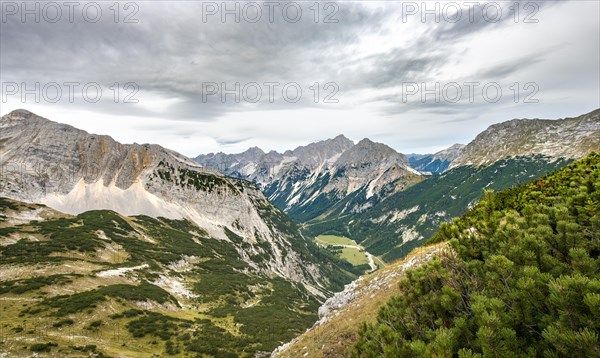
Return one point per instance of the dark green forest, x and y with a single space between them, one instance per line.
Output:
520 278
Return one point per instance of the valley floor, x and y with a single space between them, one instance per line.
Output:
350 251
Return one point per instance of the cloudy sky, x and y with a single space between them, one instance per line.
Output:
202 77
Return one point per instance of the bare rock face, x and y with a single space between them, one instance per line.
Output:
73 171
334 174
563 138
265 168
437 162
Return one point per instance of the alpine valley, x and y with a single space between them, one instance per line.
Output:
390 204
134 250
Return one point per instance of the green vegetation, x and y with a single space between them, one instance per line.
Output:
8 204
67 238
334 240
522 278
155 324
90 349
354 256
63 322
192 179
69 304
269 322
35 283
429 203
94 325
127 314
42 347
231 310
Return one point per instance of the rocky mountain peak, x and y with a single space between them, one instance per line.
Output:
254 150
561 138
366 143
253 153
367 151
19 114
314 154
23 116
454 147
342 141
341 137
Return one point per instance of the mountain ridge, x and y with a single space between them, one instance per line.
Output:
73 171
558 138
323 178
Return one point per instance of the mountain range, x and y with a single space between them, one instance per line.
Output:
323 179
73 171
422 190
112 219
110 249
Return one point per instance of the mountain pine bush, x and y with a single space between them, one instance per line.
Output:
521 278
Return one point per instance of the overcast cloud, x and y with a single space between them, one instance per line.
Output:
371 60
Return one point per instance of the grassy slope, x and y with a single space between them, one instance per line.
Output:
354 256
52 289
334 240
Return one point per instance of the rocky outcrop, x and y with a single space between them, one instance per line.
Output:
563 138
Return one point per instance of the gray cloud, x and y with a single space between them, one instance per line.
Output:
230 141
369 53
481 15
508 68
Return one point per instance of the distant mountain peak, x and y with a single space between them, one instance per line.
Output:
365 141
455 146
316 177
341 137
438 162
560 138
254 151
367 150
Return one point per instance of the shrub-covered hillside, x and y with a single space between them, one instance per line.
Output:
102 284
522 278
